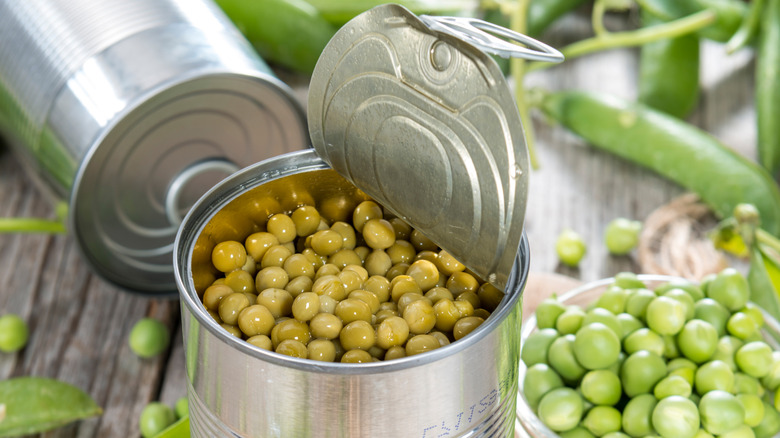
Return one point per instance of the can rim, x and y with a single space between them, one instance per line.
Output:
206 207
123 281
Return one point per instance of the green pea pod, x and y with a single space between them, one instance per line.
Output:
290 33
764 281
37 404
768 88
669 73
179 429
671 147
729 14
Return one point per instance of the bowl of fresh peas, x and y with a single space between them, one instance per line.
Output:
649 355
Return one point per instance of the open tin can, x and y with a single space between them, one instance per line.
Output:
410 112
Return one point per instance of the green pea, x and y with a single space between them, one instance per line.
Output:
672 385
644 339
682 367
155 417
628 324
149 337
720 412
548 311
770 423
691 289
742 326
601 387
561 409
637 302
753 407
713 375
697 340
613 299
713 312
577 432
726 349
665 316
561 358
638 414
729 288
570 320
601 420
684 298
181 408
676 417
536 346
539 380
622 235
13 333
743 431
570 247
772 380
753 311
615 435
754 358
744 384
628 280
596 346
604 316
671 351
641 371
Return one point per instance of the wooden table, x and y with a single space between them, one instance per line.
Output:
79 324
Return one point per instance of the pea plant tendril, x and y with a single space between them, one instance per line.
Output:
603 39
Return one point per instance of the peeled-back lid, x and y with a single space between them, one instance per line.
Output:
424 122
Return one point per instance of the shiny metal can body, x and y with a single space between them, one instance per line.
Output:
465 389
131 110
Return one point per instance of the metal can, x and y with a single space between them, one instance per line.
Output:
467 388
404 111
131 110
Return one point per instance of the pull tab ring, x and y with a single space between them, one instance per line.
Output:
482 34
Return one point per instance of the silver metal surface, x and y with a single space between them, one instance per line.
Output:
132 110
482 34
426 124
465 389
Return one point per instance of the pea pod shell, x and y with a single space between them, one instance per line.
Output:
669 73
290 33
768 88
37 404
671 147
764 281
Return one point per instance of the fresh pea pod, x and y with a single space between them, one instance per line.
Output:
669 73
729 14
764 280
768 88
37 404
179 429
671 147
290 33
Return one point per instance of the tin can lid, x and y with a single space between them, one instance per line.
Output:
413 112
161 156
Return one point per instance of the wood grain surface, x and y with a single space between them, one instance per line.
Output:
79 323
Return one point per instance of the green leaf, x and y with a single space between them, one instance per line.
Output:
764 280
179 429
35 404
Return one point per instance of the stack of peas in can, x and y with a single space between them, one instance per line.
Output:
375 289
